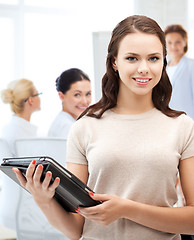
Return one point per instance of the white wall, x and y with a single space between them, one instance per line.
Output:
165 12
42 38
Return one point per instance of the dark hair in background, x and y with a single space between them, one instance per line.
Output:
68 77
110 82
176 28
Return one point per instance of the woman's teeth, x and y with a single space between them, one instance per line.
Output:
141 80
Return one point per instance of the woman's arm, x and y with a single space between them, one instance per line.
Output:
70 224
166 219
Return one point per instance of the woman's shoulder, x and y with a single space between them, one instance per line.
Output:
188 60
88 122
185 117
18 128
185 122
182 121
84 121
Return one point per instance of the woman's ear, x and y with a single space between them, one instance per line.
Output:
30 101
114 65
61 96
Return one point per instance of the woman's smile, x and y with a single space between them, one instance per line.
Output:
142 81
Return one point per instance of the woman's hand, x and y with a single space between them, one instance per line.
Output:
41 191
111 209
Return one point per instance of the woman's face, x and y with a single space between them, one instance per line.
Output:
77 98
139 63
36 100
175 45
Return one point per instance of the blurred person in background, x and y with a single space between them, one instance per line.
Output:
18 210
74 90
23 98
180 69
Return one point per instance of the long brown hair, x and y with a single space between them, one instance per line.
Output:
110 82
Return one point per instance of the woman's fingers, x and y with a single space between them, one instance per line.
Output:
47 179
37 175
33 178
20 177
55 184
46 182
30 171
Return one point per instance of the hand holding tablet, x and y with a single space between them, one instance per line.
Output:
71 192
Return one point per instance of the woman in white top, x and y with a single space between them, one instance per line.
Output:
180 69
24 100
181 73
74 90
128 147
20 212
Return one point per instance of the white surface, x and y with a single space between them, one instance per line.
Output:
6 233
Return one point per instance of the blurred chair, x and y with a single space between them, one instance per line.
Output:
9 196
7 234
52 147
32 223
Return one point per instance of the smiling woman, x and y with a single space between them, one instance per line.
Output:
180 69
139 68
74 90
128 147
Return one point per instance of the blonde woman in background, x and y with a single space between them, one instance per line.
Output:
24 100
27 220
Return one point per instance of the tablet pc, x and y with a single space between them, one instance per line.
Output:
71 192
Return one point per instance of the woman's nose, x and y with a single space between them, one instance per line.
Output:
143 68
84 101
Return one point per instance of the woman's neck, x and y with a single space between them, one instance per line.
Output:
64 109
174 61
25 115
135 106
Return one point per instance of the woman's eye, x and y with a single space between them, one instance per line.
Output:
88 94
154 59
132 59
77 95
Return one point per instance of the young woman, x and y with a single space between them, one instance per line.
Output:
74 91
180 69
128 148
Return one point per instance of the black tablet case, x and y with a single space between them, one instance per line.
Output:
71 192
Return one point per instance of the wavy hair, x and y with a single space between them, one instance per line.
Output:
161 93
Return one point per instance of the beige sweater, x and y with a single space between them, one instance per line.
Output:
134 157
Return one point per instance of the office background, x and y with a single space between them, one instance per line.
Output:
41 38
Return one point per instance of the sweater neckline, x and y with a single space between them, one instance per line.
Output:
133 117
